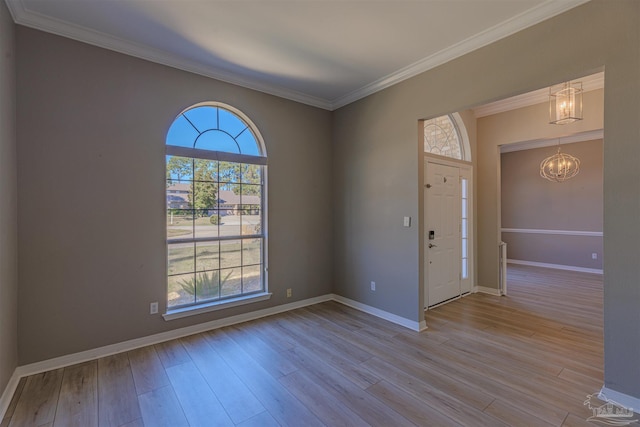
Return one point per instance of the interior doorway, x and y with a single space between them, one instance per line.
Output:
551 224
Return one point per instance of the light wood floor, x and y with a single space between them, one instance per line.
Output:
529 359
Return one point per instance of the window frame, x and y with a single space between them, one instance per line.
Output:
222 156
460 131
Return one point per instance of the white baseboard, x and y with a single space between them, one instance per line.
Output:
394 318
485 290
96 353
556 266
625 400
8 393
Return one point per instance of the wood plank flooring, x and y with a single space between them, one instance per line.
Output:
528 359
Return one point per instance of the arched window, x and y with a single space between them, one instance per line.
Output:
442 137
215 188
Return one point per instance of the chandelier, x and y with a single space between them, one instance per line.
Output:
559 167
565 103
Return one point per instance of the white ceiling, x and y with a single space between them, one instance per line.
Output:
325 53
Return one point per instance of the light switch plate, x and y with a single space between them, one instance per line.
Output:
407 221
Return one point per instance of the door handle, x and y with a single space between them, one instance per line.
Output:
431 245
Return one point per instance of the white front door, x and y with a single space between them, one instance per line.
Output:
442 240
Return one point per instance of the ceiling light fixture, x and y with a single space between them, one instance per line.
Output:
559 167
565 103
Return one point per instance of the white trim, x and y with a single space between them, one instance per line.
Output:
625 400
470 280
7 394
180 313
223 156
84 356
502 286
447 161
556 266
539 143
486 290
544 11
462 132
554 232
548 9
394 318
250 124
589 83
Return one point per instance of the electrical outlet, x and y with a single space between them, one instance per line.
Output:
594 255
153 308
288 292
373 286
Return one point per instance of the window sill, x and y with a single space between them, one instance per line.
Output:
215 305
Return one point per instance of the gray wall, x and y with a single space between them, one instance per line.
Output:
531 202
8 203
377 174
91 138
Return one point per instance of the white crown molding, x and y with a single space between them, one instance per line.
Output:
544 11
538 143
513 103
23 16
589 83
